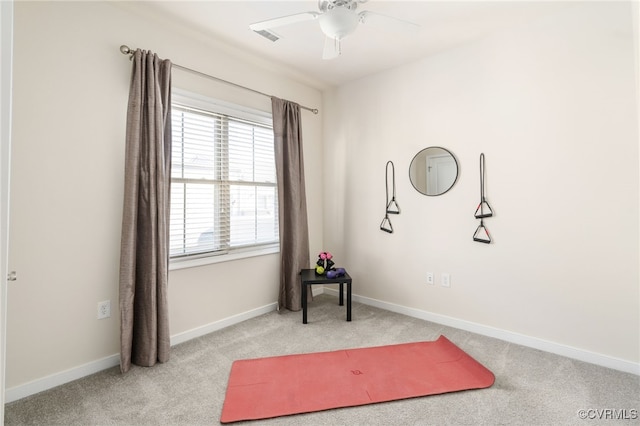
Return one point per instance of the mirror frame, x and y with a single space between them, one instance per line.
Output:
455 160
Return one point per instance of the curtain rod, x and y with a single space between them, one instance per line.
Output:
125 50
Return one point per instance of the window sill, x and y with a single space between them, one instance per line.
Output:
175 264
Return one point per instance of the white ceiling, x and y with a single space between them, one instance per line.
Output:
444 24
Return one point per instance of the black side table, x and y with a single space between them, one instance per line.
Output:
309 277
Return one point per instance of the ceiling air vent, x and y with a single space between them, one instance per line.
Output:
268 35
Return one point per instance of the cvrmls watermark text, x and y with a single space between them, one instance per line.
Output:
608 414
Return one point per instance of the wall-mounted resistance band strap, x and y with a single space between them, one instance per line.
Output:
386 225
482 234
484 209
390 206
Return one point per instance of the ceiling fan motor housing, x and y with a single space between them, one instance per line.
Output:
325 5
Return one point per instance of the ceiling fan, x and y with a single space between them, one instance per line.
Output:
338 19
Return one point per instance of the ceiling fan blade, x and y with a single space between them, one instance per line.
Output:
331 48
284 20
387 22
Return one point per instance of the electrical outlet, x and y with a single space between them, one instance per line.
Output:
445 280
104 309
430 278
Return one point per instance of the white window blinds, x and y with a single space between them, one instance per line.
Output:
223 183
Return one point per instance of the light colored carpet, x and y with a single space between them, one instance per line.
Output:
532 387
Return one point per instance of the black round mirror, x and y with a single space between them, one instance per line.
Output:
433 171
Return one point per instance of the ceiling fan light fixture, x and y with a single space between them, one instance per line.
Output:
337 18
338 22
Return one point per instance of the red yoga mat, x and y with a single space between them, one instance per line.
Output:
276 386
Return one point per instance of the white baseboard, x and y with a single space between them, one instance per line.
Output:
223 323
57 379
508 336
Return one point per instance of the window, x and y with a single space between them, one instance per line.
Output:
223 180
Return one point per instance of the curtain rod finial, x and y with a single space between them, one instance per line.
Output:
124 49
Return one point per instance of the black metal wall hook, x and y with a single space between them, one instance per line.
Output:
484 209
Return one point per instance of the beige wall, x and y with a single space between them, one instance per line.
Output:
71 88
553 106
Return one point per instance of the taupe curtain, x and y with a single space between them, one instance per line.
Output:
292 204
144 259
